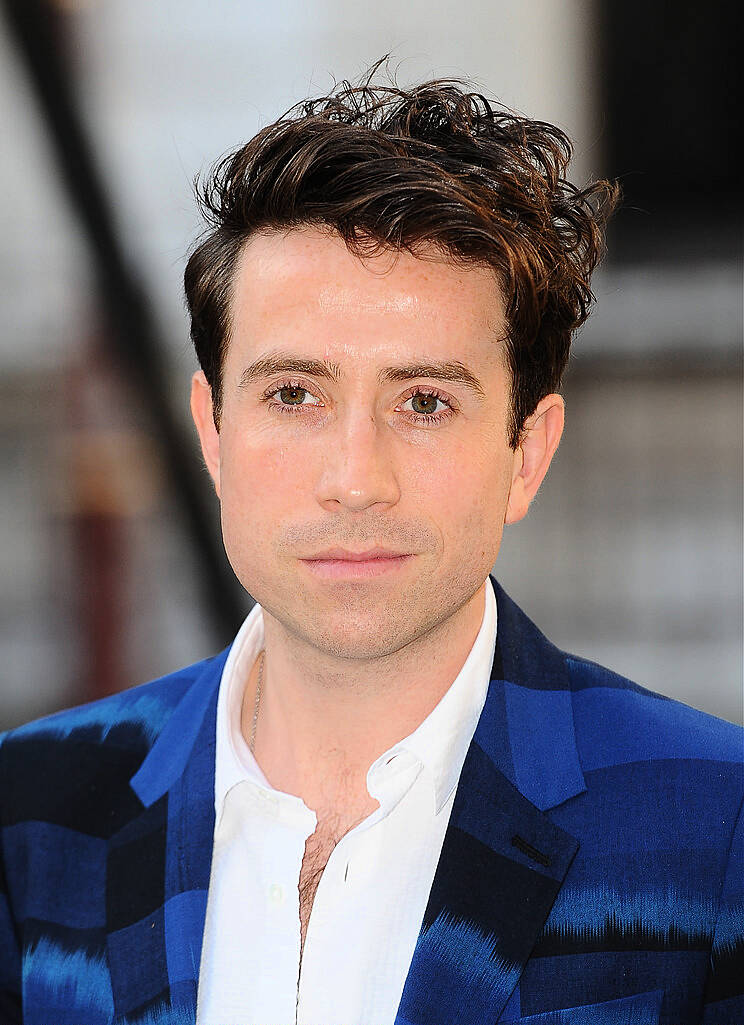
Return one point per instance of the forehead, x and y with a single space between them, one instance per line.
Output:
305 286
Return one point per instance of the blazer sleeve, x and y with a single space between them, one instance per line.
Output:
10 955
723 1003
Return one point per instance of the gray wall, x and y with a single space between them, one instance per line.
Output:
632 553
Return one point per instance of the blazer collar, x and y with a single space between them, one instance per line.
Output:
168 756
503 860
527 725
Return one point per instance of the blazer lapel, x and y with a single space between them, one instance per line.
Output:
503 860
159 863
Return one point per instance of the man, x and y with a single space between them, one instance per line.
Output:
392 799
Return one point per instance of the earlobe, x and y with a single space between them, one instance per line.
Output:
540 438
202 412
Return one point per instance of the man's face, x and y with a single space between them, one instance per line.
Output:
379 452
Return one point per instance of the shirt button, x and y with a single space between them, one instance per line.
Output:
276 893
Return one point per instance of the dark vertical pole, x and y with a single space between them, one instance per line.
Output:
131 328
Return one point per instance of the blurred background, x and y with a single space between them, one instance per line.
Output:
110 559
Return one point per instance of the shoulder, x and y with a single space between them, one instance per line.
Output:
141 710
615 720
667 770
616 717
74 766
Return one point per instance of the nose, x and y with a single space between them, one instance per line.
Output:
356 466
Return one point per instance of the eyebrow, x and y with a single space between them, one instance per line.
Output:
440 370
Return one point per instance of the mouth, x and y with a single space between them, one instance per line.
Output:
345 555
339 563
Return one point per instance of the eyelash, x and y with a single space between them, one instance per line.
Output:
423 419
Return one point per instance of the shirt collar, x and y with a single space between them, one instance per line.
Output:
440 743
234 762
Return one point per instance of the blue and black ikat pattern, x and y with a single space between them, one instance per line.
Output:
592 872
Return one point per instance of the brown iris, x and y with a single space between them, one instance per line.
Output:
427 401
295 396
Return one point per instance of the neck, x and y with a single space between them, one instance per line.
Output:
324 720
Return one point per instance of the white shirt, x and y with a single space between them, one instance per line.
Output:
372 895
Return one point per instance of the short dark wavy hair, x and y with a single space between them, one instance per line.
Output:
435 166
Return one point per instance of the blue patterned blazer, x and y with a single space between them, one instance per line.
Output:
592 871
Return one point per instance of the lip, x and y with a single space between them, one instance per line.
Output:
343 555
338 563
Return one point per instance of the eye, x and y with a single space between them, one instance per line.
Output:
290 395
425 406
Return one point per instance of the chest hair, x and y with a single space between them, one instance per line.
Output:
318 848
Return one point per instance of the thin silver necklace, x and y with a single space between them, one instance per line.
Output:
257 702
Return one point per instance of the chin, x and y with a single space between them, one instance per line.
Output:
361 636
356 628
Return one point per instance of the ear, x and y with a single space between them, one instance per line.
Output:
202 411
540 437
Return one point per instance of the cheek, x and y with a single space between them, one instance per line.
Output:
465 493
260 467
469 475
261 484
